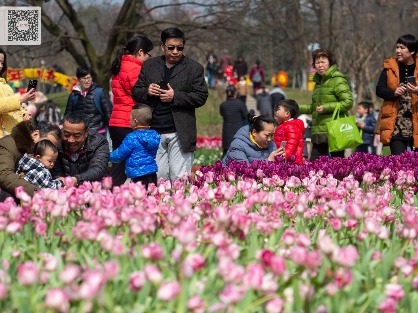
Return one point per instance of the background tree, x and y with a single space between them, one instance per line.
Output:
361 34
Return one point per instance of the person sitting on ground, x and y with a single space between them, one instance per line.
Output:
139 148
35 168
12 147
289 130
84 153
254 141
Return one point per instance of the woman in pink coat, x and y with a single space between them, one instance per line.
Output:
125 71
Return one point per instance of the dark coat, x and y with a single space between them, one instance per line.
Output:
264 104
190 92
234 113
91 164
12 148
367 133
78 103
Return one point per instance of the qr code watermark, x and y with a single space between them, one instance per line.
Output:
20 26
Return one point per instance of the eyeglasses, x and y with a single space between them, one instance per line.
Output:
171 48
86 78
149 54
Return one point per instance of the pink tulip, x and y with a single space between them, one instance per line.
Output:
274 305
388 305
343 277
153 273
152 251
394 291
107 182
57 299
196 304
93 281
254 276
313 259
27 273
22 195
346 257
168 291
13 227
40 228
49 262
298 255
136 281
111 269
277 265
231 294
3 291
265 256
192 263
70 273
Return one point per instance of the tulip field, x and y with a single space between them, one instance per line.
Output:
334 235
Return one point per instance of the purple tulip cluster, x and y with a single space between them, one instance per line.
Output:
358 165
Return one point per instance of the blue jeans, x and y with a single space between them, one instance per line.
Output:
211 79
171 160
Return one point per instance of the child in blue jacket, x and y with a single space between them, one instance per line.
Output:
139 148
366 122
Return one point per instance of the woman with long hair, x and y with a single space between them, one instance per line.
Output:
125 71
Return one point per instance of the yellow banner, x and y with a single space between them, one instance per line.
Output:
44 75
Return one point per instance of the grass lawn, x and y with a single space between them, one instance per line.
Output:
209 121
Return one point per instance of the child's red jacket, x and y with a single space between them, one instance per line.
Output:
291 131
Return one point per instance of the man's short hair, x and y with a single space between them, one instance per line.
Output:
172 32
76 118
142 113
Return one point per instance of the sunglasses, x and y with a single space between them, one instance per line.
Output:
171 48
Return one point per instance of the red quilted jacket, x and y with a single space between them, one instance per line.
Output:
121 88
292 131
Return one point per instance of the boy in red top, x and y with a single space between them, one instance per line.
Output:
290 129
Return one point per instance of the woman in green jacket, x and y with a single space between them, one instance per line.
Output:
331 90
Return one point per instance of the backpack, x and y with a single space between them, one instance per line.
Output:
49 112
257 77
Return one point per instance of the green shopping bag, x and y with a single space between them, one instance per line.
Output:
343 132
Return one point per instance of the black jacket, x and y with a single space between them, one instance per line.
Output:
91 164
190 92
77 103
234 113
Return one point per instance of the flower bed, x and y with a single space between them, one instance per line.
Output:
339 237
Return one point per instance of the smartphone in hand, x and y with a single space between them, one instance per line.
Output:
32 84
283 144
411 80
163 85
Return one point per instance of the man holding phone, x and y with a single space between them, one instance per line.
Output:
174 86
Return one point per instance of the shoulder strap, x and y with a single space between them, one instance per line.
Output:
97 92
